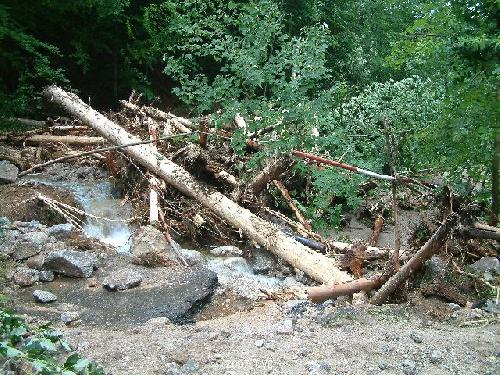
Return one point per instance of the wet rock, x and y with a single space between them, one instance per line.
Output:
25 276
285 327
122 279
46 276
189 291
60 231
192 257
454 306
8 172
318 368
226 251
262 261
70 263
148 239
70 317
487 266
43 296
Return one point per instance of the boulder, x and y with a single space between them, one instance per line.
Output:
262 261
70 263
43 296
122 279
226 251
60 231
486 266
148 239
434 269
192 257
25 276
28 245
8 172
70 317
46 276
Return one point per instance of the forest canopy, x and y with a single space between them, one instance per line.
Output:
325 74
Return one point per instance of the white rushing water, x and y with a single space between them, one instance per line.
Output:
97 199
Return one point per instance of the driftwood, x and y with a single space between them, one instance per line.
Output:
269 173
66 139
291 204
319 159
377 229
95 151
482 231
182 124
317 266
437 240
322 293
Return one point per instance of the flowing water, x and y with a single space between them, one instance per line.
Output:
98 199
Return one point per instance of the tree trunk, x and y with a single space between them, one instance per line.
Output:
269 173
66 139
319 294
315 265
437 240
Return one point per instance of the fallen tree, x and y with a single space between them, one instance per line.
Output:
46 138
317 266
416 262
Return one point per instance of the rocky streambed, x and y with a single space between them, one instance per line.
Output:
123 295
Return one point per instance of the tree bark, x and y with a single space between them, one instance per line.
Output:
66 139
431 247
322 293
284 192
269 173
317 266
483 231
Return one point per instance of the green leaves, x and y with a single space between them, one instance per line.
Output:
39 348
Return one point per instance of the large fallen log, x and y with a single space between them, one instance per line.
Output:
45 138
317 266
478 230
416 262
319 294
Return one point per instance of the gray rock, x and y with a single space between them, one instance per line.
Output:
409 367
23 276
487 266
43 296
122 279
173 368
28 245
284 327
383 366
192 257
416 337
226 251
190 367
436 356
318 368
70 263
8 172
259 343
46 276
148 239
69 317
262 261
491 307
454 306
60 231
36 262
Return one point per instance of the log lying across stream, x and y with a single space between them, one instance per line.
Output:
317 266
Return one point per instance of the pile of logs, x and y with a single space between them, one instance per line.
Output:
304 250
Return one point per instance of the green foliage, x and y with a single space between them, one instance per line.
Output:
37 349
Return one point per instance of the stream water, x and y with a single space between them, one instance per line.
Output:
97 198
